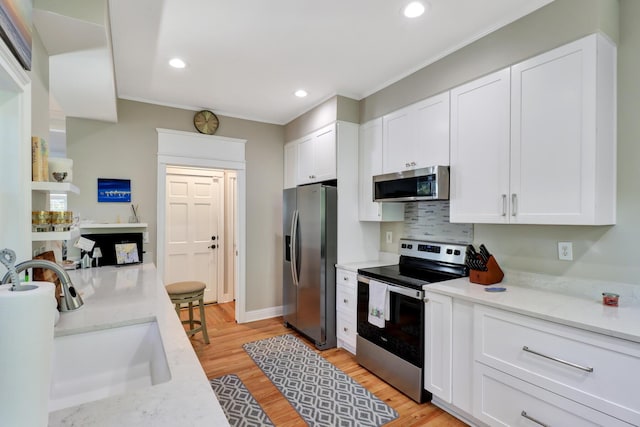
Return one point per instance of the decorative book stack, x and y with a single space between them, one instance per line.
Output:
39 159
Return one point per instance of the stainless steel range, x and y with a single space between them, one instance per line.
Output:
390 340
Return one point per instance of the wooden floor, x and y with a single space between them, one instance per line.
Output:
224 355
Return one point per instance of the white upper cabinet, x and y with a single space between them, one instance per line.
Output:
317 156
563 139
417 136
556 164
370 164
290 164
479 174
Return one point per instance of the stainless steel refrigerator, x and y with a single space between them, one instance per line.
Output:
309 276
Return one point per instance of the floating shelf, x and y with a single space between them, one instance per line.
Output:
60 187
113 225
43 236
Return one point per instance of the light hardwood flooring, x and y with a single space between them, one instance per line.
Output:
224 355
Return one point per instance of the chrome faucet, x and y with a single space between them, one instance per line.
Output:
71 299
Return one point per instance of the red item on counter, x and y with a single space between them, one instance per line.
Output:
610 299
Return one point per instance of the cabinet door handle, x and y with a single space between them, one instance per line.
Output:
346 301
406 165
573 365
504 205
345 278
413 163
530 418
514 204
345 329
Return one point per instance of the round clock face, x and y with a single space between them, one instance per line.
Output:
206 122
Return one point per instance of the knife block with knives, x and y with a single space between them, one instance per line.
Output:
483 267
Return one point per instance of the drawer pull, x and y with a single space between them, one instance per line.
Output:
524 414
345 278
346 329
573 365
346 301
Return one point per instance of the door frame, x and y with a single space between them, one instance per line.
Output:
188 149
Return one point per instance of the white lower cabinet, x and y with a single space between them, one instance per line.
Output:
492 366
438 345
346 309
504 400
596 370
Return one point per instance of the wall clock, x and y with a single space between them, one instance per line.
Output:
206 122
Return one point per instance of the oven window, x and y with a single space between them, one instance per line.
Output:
403 332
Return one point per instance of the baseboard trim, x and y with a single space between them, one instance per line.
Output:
265 313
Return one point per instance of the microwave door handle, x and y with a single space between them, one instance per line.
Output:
294 251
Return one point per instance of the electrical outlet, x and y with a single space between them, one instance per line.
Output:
145 237
565 251
389 237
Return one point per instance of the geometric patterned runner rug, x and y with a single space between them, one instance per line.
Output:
322 394
238 404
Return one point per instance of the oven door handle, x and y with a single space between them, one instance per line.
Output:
408 292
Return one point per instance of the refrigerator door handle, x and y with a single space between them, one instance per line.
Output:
293 249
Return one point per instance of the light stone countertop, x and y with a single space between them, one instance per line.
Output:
384 259
569 301
118 296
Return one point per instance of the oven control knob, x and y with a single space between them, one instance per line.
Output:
449 251
409 246
456 252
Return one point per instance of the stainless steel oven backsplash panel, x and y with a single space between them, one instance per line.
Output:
429 220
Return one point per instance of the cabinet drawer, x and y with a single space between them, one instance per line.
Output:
596 370
346 328
348 278
503 400
346 300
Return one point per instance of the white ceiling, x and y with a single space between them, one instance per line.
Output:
245 58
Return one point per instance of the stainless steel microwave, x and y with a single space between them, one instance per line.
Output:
431 183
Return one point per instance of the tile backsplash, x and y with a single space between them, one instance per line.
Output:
430 221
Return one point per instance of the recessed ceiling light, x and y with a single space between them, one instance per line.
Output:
414 9
300 93
177 63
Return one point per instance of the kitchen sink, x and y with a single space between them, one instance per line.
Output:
95 365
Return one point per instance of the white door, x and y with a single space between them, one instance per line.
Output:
552 113
324 154
480 144
305 160
396 143
194 228
431 124
226 289
438 321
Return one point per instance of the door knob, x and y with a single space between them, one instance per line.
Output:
214 237
213 246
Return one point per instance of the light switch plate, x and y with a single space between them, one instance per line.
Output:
389 237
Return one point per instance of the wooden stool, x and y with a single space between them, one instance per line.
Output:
189 292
